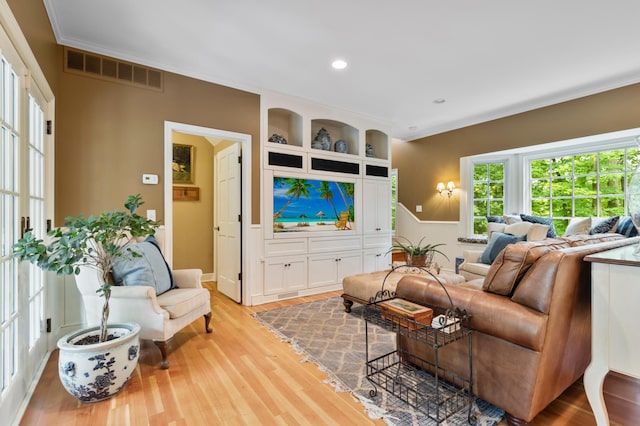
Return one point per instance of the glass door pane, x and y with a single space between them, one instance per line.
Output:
10 221
37 222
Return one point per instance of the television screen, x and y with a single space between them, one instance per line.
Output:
310 205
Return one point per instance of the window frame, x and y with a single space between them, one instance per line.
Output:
467 164
394 201
518 171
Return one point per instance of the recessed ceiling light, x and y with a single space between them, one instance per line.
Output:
439 101
339 64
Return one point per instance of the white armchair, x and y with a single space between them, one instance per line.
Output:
160 317
471 268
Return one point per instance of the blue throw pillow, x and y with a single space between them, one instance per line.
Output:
603 226
626 227
496 219
149 268
497 243
551 233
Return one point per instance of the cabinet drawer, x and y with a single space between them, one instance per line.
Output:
285 247
383 240
334 244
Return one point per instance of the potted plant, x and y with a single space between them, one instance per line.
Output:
416 254
94 363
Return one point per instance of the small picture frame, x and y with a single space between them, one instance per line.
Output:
183 164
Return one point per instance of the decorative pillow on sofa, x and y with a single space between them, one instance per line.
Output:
626 227
551 233
514 261
578 226
496 219
512 218
601 225
149 268
534 231
497 243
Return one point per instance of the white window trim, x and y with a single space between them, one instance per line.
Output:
466 187
394 172
517 169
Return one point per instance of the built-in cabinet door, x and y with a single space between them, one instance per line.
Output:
376 211
376 260
284 274
329 269
323 270
349 264
297 274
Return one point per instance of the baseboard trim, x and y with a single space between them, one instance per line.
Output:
208 277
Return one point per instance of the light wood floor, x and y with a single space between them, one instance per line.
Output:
243 374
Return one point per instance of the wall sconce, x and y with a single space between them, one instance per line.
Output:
449 189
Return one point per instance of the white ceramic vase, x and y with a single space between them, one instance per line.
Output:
98 371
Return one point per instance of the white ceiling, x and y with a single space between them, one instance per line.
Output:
487 59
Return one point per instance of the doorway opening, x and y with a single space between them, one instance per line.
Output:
234 261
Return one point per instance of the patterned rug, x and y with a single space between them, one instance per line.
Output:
335 341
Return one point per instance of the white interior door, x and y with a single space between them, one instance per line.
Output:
228 184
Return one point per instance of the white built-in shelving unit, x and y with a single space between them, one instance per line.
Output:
303 262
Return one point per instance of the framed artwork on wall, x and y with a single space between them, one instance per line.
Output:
183 164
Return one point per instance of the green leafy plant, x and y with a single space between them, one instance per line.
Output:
410 249
95 241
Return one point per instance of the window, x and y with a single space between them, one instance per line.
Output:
394 198
582 185
488 194
575 178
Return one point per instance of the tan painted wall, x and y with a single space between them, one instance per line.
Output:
424 162
34 22
193 220
108 134
113 133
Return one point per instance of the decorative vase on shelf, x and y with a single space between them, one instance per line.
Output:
322 140
276 138
341 146
369 150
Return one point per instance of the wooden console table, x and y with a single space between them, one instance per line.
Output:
615 341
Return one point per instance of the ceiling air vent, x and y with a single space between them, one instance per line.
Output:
90 64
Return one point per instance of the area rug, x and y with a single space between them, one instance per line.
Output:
335 341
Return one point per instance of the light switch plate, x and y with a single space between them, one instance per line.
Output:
148 179
151 214
419 209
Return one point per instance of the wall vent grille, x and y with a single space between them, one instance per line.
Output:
90 64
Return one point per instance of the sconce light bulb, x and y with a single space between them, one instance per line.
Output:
440 187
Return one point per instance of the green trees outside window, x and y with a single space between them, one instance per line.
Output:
394 198
589 184
488 194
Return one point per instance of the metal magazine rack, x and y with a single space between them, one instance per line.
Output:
421 383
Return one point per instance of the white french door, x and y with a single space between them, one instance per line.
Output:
26 192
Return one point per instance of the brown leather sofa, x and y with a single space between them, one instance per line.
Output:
531 322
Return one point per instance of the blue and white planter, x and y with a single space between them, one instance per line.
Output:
98 371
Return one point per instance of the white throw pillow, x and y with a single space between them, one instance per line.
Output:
512 218
537 232
578 225
534 231
494 227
